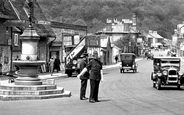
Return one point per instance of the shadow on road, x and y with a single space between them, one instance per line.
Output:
173 88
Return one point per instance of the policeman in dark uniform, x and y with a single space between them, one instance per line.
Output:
96 75
84 78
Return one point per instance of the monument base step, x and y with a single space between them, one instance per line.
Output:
10 91
33 97
31 92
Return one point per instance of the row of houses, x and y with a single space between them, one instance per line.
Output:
58 38
178 40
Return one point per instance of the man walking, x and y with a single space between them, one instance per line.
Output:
84 78
57 64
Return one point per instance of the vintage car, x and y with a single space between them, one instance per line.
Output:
173 54
127 62
166 72
150 56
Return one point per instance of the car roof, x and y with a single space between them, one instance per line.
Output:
168 58
127 54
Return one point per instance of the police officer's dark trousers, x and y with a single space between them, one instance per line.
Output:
83 88
94 89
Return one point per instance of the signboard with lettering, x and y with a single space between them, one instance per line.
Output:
93 41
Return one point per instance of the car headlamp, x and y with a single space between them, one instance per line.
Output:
180 73
164 72
74 61
159 74
73 67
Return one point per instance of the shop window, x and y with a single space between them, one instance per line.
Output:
67 40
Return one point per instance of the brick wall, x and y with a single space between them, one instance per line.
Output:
4 49
5 58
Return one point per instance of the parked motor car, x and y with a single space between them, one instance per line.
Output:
150 56
128 62
173 54
166 72
156 49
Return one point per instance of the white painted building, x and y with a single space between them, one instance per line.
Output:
154 39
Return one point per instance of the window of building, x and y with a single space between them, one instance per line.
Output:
67 40
16 39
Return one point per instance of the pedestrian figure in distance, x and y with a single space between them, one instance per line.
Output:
96 75
116 58
84 78
51 65
57 64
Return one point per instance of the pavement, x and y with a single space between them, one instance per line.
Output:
62 74
47 75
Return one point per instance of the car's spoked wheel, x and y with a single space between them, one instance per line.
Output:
154 84
158 84
135 70
178 86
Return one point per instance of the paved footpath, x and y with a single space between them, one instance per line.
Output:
55 75
62 74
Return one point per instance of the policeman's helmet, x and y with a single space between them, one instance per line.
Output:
95 54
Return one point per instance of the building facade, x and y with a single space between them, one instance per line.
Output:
13 27
154 39
67 37
115 30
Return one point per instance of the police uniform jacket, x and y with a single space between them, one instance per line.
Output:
95 66
83 64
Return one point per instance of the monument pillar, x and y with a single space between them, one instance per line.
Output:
28 65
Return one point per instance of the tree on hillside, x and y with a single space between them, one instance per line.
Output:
158 15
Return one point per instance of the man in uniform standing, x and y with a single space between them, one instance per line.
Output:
96 75
84 78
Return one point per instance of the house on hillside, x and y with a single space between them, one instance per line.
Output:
117 29
14 16
154 39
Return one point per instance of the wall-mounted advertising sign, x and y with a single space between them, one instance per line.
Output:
93 41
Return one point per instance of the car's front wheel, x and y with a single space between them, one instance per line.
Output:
154 84
136 70
178 86
120 70
69 74
158 84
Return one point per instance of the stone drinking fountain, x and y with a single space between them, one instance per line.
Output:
27 85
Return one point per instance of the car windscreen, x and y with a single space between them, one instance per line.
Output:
126 57
170 63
